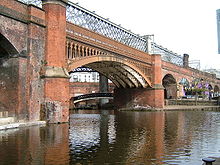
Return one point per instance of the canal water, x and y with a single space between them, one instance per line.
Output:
113 137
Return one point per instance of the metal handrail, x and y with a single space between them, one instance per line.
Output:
91 95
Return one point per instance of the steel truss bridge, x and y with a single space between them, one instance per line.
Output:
90 20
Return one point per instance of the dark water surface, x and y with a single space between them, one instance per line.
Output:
112 137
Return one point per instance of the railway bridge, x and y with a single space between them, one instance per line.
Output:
42 41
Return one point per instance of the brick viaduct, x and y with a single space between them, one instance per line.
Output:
38 48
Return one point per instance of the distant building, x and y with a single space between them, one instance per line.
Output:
84 77
218 28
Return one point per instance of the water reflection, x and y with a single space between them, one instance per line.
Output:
102 137
144 137
35 146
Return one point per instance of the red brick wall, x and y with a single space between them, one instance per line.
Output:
129 98
189 73
56 91
24 31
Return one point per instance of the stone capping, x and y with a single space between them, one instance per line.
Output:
13 14
63 3
54 72
158 86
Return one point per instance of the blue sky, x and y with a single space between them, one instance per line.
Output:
183 26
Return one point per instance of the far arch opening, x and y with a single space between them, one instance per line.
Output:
216 91
118 74
182 88
121 73
89 89
170 87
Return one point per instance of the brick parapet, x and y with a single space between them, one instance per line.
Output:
22 12
188 73
86 36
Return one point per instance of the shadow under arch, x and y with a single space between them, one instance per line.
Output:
170 86
9 77
120 72
6 48
216 90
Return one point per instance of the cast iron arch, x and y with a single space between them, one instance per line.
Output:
121 73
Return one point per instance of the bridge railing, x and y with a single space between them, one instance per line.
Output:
90 20
167 55
37 3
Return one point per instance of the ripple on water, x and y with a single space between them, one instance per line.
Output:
178 137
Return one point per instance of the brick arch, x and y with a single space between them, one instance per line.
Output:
15 32
138 75
216 90
170 78
9 77
210 86
170 86
6 47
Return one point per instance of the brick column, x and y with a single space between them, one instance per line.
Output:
157 92
56 78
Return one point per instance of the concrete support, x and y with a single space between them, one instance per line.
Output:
103 88
56 86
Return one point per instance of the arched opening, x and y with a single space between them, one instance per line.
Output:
216 91
6 48
86 82
200 88
170 87
8 78
210 91
182 88
121 73
118 73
